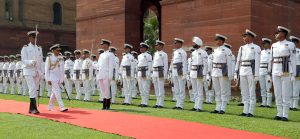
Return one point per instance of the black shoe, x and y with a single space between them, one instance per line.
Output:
222 112
175 108
30 106
179 108
215 111
141 105
160 107
249 115
243 114
284 119
268 106
295 109
291 109
156 106
262 106
193 109
277 118
108 104
104 104
198 110
241 104
34 107
206 102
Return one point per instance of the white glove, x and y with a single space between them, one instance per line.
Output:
269 78
293 78
235 78
256 78
33 62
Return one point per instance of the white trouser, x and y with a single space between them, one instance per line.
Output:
282 85
12 84
229 90
105 88
220 87
144 89
265 87
191 92
42 87
5 85
159 89
94 86
209 94
1 84
134 88
69 86
295 96
55 95
20 86
24 86
78 89
248 88
33 84
127 85
179 89
87 90
48 90
100 92
113 86
197 85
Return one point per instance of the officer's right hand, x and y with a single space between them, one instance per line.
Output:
49 83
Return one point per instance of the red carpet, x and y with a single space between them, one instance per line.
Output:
136 126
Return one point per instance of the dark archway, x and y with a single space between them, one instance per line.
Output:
149 7
57 13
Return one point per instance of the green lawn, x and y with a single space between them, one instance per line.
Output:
13 126
262 123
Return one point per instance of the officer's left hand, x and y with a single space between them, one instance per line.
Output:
293 78
256 78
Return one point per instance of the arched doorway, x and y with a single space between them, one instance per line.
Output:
150 21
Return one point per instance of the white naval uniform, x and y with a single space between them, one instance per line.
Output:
42 81
248 75
179 80
5 77
114 80
77 77
198 72
282 76
127 60
54 73
106 64
12 78
208 87
188 82
222 57
296 83
21 82
32 71
1 77
68 67
160 63
265 85
87 78
94 80
144 65
134 89
229 81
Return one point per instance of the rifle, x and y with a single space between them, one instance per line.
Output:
35 40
